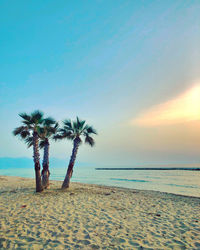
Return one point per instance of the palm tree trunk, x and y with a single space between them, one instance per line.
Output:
45 164
71 165
36 158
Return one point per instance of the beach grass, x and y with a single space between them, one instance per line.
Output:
95 217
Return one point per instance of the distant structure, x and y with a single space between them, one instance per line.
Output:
189 169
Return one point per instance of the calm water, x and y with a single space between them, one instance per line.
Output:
172 181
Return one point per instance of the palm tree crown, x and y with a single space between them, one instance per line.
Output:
75 130
49 128
46 130
32 123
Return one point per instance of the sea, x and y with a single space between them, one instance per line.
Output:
183 182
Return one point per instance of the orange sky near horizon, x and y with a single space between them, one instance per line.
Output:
184 108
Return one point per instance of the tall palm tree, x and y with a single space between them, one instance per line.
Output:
50 127
75 130
31 128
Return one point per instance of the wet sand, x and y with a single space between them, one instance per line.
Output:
95 217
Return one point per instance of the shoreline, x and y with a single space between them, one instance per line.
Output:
90 216
106 186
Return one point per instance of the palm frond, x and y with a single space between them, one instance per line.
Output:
80 123
25 116
62 134
50 130
24 134
29 124
90 130
62 130
56 126
89 140
29 141
67 123
75 126
18 130
40 131
42 143
37 117
49 121
59 137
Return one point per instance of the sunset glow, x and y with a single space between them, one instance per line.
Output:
184 108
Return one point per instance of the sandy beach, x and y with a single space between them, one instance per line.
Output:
95 217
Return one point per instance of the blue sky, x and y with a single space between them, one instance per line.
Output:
106 61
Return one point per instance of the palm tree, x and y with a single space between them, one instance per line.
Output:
75 130
50 127
31 128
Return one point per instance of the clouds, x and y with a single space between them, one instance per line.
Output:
183 108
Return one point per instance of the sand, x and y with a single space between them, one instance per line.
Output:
95 217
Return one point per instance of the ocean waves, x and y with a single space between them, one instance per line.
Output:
118 179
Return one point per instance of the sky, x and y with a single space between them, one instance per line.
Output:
129 68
